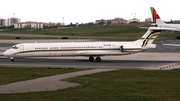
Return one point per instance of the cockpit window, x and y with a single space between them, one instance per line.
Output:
14 47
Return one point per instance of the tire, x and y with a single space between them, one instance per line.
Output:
98 59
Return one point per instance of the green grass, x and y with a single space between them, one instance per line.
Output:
9 75
120 85
97 31
84 31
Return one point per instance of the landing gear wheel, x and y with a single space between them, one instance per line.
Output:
91 58
12 60
178 37
98 59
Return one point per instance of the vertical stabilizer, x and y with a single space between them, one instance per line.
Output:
149 37
156 19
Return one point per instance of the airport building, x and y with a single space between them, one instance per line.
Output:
35 25
9 21
102 21
135 20
148 20
119 21
2 22
113 21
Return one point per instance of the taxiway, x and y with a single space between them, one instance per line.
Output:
163 57
152 57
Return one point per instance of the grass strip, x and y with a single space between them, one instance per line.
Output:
120 85
123 30
11 74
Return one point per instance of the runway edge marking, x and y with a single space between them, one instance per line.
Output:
170 66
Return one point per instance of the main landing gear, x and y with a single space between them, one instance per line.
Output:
98 59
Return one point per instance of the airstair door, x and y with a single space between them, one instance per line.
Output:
21 48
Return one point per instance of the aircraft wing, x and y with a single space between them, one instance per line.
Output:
170 44
144 27
103 53
159 28
168 29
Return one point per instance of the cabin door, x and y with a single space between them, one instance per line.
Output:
21 48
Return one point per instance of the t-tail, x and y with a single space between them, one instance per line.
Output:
147 40
156 18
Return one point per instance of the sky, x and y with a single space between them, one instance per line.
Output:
84 11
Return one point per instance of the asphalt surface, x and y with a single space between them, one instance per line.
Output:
150 57
163 57
60 37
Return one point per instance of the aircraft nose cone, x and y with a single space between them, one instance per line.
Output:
6 53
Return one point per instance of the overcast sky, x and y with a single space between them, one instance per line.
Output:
83 11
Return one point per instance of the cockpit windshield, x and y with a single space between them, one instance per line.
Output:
14 47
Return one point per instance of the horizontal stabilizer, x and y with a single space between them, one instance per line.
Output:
166 29
159 28
154 24
144 27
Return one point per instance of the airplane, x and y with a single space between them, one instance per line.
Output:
170 28
88 49
170 44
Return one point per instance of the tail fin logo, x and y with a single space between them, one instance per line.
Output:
154 14
151 38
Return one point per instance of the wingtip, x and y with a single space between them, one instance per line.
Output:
162 42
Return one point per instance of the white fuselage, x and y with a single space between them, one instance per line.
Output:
175 26
168 27
90 49
72 49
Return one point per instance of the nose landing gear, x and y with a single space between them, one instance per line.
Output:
12 59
